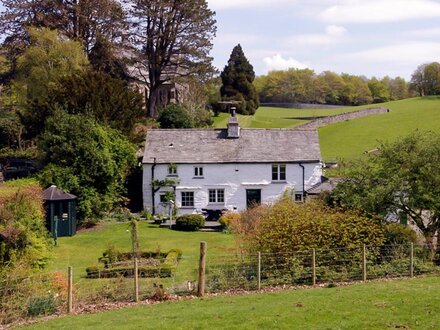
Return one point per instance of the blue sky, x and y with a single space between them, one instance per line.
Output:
362 37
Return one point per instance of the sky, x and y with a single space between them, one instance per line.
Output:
361 37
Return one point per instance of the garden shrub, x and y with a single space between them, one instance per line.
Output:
227 219
41 306
398 234
190 222
287 226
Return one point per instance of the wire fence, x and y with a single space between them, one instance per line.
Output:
146 279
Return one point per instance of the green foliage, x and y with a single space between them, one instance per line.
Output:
86 159
190 222
108 100
24 239
287 226
237 78
41 306
426 79
44 62
401 178
228 219
397 234
304 86
175 116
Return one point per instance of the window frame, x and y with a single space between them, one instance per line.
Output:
198 172
172 170
279 172
184 200
218 196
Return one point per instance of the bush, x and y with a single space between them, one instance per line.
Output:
287 226
41 306
398 234
227 219
190 222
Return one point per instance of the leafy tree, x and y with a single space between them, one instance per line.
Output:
175 116
401 180
110 101
237 78
173 39
426 79
48 59
355 90
81 20
398 88
379 90
86 159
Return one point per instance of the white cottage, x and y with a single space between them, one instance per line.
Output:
228 169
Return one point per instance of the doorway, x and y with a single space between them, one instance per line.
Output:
253 197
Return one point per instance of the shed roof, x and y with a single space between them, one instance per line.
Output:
213 146
55 194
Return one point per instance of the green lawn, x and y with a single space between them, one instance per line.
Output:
84 249
403 304
350 139
269 117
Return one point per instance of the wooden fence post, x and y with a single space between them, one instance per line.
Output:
259 271
136 280
202 269
411 260
69 289
364 263
313 267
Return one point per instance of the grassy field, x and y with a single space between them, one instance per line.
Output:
403 304
84 249
350 139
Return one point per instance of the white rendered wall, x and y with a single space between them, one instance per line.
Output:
233 178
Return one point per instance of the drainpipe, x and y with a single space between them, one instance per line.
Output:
153 191
303 179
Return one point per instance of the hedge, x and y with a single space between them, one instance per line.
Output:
190 222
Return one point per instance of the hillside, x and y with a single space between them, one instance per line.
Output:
352 138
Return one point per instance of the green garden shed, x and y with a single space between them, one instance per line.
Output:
60 212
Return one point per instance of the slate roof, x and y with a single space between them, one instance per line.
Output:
213 146
55 194
327 185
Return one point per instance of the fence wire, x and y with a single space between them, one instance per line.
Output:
47 293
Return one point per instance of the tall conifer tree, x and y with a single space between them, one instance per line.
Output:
237 78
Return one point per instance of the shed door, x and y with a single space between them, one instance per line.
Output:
62 214
253 197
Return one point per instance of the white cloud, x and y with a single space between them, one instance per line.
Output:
228 4
277 62
414 53
433 32
374 11
333 34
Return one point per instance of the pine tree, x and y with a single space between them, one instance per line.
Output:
237 78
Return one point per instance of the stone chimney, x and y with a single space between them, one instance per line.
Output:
233 127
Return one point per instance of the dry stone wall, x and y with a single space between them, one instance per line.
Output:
324 121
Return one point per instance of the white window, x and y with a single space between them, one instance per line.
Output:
187 198
172 169
216 195
279 172
198 172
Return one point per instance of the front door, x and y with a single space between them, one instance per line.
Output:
253 197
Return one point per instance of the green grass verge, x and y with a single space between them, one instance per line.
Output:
350 139
405 304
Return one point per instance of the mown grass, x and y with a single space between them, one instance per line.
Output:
350 139
84 249
403 304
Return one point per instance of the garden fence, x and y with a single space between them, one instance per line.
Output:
74 290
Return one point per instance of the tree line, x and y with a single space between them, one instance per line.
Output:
305 86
